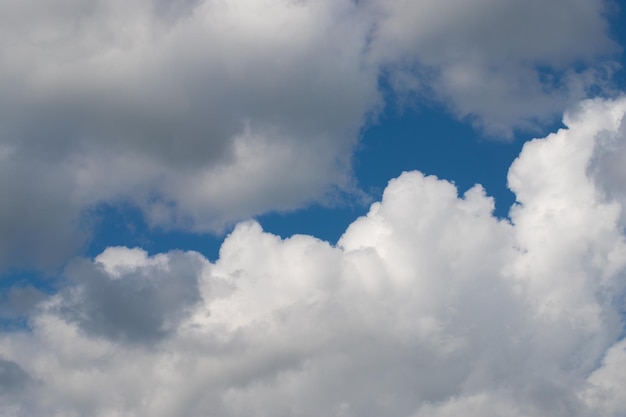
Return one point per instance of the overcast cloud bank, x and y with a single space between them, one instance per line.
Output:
202 113
428 306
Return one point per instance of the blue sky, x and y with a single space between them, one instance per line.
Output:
306 208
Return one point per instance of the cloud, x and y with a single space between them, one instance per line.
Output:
428 306
12 377
130 297
200 113
203 113
502 64
19 301
14 384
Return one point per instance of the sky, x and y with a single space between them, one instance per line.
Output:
343 208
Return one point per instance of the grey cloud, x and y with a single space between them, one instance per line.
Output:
13 378
200 113
185 90
20 302
503 64
37 227
176 9
608 166
140 306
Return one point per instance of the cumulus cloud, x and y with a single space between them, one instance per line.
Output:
427 306
202 113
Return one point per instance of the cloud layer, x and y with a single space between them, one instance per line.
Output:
202 113
428 306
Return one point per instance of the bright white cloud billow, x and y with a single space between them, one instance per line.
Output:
202 113
428 306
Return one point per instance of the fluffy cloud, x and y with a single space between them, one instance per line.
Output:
428 306
205 112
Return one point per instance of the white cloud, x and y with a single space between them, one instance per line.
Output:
202 113
428 306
